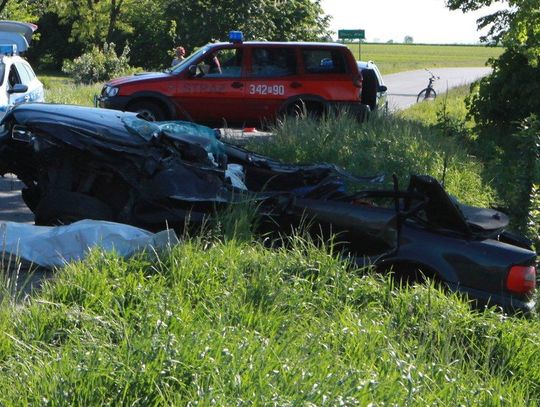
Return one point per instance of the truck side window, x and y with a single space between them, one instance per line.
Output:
223 63
273 62
23 73
323 61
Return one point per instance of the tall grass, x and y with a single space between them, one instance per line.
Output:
387 145
452 103
62 89
216 323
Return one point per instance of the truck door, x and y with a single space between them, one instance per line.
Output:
214 91
326 73
271 79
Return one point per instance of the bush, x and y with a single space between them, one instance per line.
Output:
508 95
98 65
533 221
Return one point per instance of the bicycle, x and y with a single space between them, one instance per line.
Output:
428 93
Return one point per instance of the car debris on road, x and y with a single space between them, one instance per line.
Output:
79 162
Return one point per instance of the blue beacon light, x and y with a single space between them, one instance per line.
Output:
236 36
8 49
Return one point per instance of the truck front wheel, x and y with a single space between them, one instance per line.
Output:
148 110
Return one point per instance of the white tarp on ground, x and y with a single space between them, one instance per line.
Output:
50 246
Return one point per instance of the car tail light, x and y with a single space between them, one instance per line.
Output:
521 279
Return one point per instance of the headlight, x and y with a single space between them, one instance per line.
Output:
110 91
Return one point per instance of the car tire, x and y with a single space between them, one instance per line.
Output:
423 95
60 207
148 110
369 88
30 197
364 114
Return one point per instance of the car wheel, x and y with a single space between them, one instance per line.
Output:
149 111
405 274
30 196
426 94
59 207
364 113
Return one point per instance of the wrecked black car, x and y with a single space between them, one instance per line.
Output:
79 162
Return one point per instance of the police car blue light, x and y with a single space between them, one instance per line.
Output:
8 49
236 36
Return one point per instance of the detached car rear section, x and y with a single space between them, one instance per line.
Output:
79 162
245 83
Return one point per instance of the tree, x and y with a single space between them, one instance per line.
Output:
508 96
517 27
153 34
21 10
94 22
199 22
408 39
153 27
506 107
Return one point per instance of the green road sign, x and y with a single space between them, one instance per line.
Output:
351 34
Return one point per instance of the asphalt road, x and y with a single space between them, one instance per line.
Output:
12 207
403 87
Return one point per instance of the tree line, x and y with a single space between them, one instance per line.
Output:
506 106
152 28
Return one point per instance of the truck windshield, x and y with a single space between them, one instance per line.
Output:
188 61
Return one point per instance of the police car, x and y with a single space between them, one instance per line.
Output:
18 82
244 82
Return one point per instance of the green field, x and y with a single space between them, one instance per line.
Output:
391 58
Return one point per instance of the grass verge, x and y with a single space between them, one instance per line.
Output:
386 144
234 323
62 89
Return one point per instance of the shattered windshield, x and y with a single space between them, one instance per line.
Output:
193 133
188 61
139 127
178 130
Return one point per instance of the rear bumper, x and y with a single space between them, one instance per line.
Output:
507 302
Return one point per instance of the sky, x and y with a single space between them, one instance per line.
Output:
427 21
